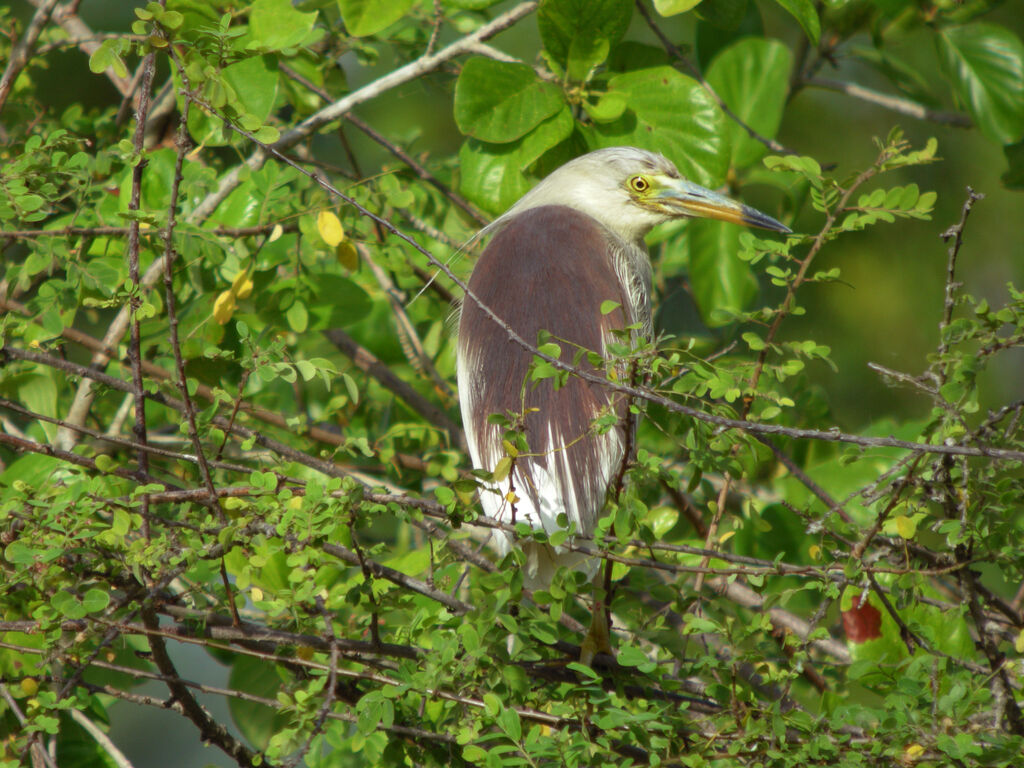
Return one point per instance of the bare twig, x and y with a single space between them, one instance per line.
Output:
955 233
135 299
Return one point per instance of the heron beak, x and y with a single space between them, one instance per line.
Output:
688 199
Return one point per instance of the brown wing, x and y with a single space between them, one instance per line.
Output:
549 268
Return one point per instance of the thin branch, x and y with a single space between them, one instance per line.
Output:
135 299
170 300
892 103
209 728
955 233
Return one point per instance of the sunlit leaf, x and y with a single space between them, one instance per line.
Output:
499 102
368 17
673 114
752 77
276 24
985 64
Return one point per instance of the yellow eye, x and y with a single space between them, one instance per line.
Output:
639 184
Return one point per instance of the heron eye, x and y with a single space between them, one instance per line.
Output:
639 184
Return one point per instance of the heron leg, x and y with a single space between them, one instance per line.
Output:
598 637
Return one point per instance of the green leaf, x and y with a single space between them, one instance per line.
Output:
575 32
609 107
985 64
67 605
804 12
107 57
502 469
585 54
256 722
719 279
752 77
472 5
255 82
495 175
298 317
275 24
672 7
38 393
95 600
367 17
672 114
29 203
509 722
631 656
499 102
338 302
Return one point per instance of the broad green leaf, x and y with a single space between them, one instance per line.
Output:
255 82
672 114
499 102
36 470
368 17
38 393
107 56
805 13
338 302
256 722
67 605
672 7
495 175
95 600
77 746
585 54
30 202
249 201
571 28
719 279
723 23
608 108
985 64
275 24
298 317
752 77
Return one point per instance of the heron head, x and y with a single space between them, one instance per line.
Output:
631 190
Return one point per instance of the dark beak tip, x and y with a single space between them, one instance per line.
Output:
755 218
